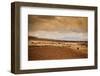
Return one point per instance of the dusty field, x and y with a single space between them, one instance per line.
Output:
45 50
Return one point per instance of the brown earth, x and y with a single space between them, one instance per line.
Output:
52 52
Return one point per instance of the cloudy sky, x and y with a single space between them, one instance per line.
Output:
58 27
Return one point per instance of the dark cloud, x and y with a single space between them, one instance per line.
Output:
57 23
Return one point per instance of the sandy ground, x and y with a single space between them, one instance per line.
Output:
56 52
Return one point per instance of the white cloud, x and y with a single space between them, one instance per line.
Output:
72 36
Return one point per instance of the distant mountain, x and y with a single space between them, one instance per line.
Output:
31 37
45 39
36 38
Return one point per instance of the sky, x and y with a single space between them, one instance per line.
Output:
58 27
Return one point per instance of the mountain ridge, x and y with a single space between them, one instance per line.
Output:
45 39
